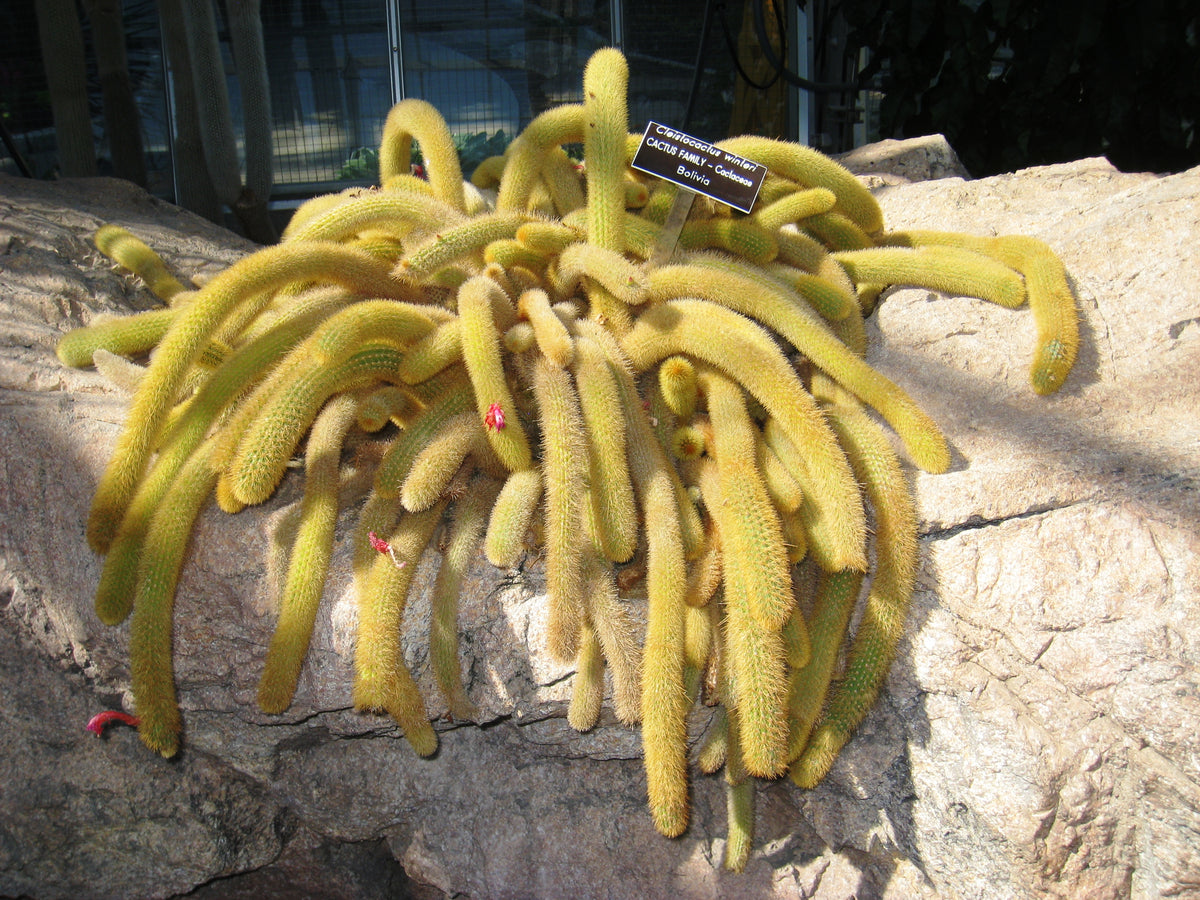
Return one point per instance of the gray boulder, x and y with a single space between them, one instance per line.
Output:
1037 737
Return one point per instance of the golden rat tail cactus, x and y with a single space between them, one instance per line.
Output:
689 421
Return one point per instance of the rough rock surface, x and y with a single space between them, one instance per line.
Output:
1039 736
892 162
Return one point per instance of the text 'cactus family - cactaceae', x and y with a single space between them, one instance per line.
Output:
689 423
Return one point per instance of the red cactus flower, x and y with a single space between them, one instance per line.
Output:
494 419
382 546
97 723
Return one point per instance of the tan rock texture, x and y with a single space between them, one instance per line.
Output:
1039 735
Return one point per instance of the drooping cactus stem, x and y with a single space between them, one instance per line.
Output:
123 248
564 461
310 556
413 118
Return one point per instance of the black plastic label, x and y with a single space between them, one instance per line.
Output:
699 166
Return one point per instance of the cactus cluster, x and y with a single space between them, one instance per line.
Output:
702 433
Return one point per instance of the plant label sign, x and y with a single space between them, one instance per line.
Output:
699 166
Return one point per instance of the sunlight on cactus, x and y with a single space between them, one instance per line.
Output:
703 436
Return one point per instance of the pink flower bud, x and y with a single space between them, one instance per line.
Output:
494 419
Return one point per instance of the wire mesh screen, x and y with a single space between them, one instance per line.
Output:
684 59
24 104
147 76
26 112
328 66
490 66
662 41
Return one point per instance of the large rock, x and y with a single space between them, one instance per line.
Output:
1038 735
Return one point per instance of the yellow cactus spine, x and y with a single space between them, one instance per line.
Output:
715 748
665 699
487 173
949 270
1053 306
687 326
739 808
559 125
451 245
604 84
1057 320
641 235
698 628
114 593
611 493
549 238
395 211
688 442
727 749
549 332
342 333
587 689
796 641
383 405
836 594
741 237
691 528
263 452
892 585
794 207
158 573
757 597
751 537
434 353
829 298
765 300
564 460
837 232
123 374
123 248
618 635
677 381
511 517
414 118
182 344
311 552
608 268
313 207
563 182
438 462
127 336
758 659
398 459
382 681
808 167
510 253
481 352
1049 292
470 517
706 573
781 487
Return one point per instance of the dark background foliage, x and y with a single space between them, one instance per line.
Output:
1014 83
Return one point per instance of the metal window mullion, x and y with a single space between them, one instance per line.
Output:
395 41
616 15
